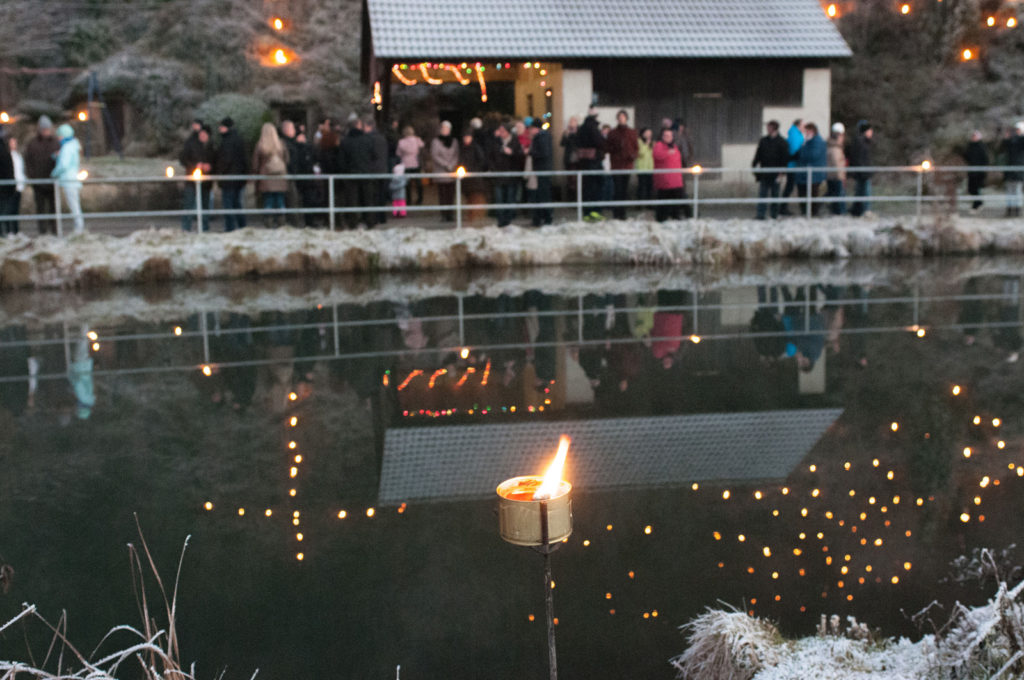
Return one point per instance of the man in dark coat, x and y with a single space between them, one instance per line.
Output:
622 150
231 159
379 167
39 163
590 148
542 152
976 154
196 155
505 155
357 158
858 155
772 152
1013 148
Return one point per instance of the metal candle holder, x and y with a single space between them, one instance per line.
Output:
539 522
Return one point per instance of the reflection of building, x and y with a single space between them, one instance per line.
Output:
447 463
725 67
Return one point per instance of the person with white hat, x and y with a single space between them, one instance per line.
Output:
66 173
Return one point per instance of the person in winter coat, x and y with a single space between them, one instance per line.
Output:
409 148
357 158
813 154
858 155
643 165
66 173
570 154
772 152
231 159
7 191
623 148
19 188
270 160
40 155
196 155
1013 148
836 177
976 154
397 188
444 155
667 185
795 139
473 158
505 155
590 149
542 153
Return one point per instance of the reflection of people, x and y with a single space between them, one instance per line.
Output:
80 377
1007 335
805 326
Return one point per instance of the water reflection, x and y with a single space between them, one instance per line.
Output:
791 444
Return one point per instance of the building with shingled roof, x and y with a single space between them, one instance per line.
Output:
725 67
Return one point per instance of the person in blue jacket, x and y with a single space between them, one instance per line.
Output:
795 138
66 173
814 155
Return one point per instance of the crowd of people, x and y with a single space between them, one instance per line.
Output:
801 165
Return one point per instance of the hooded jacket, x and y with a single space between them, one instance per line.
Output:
66 169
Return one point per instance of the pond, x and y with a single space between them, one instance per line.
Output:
791 440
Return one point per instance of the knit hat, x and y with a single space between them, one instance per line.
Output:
228 122
65 131
863 126
45 123
838 128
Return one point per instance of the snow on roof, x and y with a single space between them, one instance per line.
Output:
469 461
543 29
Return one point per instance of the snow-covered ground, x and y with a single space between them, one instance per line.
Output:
978 642
167 254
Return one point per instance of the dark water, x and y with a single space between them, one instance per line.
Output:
810 419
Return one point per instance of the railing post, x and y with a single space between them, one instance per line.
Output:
579 196
920 191
56 207
458 200
330 201
809 191
199 207
696 195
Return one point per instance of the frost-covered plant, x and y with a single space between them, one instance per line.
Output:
832 626
727 645
985 641
984 565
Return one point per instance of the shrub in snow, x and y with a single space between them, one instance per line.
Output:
727 646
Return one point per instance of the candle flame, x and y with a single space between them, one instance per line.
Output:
553 477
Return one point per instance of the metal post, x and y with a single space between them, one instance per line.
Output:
337 340
458 201
920 191
579 317
56 205
696 195
579 196
809 191
549 595
199 207
204 329
330 201
462 323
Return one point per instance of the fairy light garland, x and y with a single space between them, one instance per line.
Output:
427 77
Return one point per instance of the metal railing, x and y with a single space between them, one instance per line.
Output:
916 185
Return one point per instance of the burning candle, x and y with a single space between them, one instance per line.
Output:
534 510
